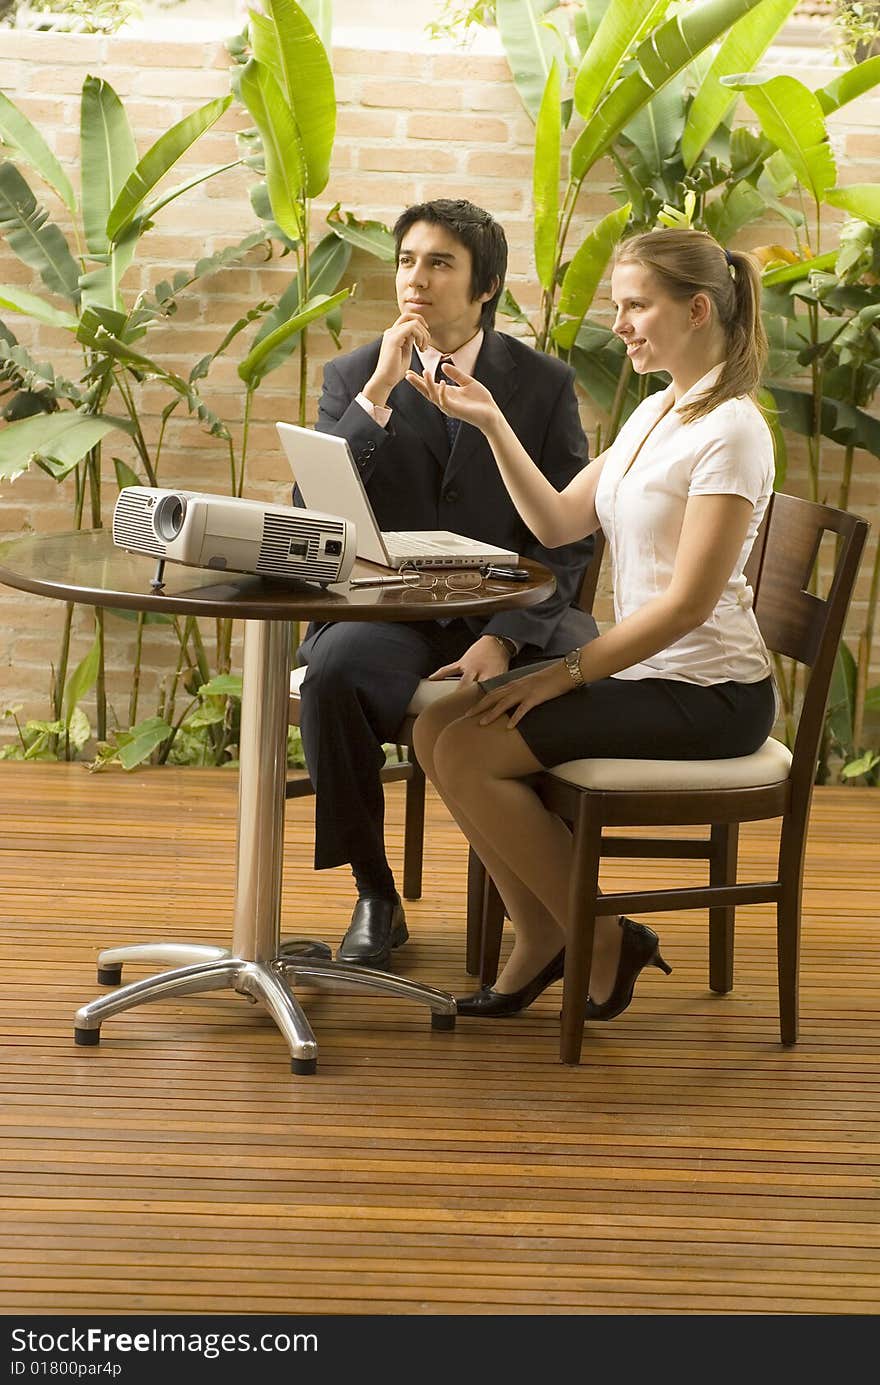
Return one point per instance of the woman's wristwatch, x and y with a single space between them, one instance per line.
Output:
572 663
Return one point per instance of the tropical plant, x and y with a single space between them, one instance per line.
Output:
655 98
61 424
460 22
284 78
857 29
627 78
78 16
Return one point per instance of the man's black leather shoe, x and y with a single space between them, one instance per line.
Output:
377 925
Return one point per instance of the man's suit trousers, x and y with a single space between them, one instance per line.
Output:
359 682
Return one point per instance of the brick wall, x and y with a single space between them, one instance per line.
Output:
411 126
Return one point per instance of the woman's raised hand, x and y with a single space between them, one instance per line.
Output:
466 398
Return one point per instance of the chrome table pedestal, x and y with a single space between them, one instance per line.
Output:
256 967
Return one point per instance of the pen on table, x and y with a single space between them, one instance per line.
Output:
395 581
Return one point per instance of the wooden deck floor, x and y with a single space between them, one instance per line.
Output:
690 1165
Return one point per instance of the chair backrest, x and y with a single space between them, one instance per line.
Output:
590 579
794 621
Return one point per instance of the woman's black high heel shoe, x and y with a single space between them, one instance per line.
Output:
496 1004
639 947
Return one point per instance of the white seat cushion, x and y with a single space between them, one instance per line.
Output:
425 694
769 765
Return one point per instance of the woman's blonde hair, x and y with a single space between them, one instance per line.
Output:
688 262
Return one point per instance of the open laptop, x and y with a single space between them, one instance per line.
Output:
328 478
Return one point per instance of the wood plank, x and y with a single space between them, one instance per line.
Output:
689 1165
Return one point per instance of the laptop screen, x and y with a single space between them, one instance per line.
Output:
328 478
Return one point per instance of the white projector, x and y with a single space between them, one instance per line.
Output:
228 534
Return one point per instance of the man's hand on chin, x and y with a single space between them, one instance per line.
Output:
486 658
395 355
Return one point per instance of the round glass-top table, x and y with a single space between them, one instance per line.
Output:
86 567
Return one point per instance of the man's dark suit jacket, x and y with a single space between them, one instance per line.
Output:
414 482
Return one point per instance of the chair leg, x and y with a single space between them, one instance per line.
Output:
582 899
476 886
722 871
788 930
493 927
414 831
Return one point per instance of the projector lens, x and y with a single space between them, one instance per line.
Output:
168 516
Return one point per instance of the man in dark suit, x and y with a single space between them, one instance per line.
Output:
451 262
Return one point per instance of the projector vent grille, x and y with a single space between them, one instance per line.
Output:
133 524
279 532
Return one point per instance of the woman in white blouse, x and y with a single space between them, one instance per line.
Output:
683 673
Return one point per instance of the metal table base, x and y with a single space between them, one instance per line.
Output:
257 965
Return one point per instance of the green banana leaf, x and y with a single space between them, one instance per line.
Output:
787 339
108 156
327 264
320 15
23 138
859 199
589 16
81 680
265 48
655 131
777 174
124 474
584 274
598 358
372 236
159 159
253 367
854 82
508 307
63 438
285 174
108 348
791 117
223 685
791 273
201 368
842 697
40 389
620 26
31 305
134 747
530 46
658 58
262 207
38 242
743 45
780 448
286 41
862 765
145 220
160 302
545 179
842 422
739 204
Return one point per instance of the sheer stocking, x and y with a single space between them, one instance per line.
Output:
479 773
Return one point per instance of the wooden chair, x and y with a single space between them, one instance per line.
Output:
595 794
411 772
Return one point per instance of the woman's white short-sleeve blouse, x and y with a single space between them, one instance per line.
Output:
641 510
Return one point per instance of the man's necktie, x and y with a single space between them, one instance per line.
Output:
452 424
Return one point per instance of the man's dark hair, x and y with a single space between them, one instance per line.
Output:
476 230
